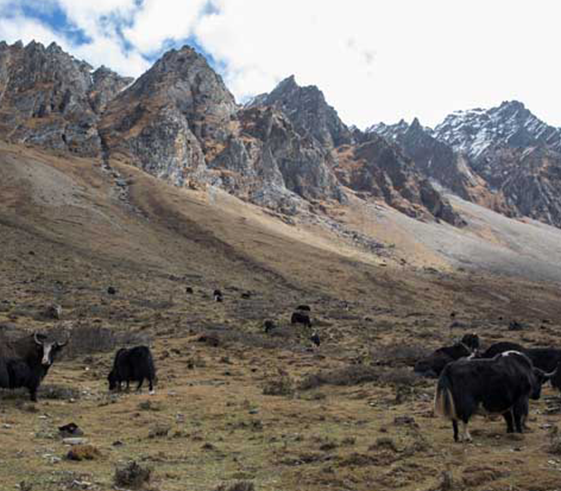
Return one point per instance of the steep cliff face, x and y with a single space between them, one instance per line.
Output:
515 153
510 125
440 162
378 168
170 118
362 162
48 98
308 111
288 150
180 122
267 162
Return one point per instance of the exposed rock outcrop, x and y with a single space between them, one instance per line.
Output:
503 158
378 168
288 150
308 111
46 98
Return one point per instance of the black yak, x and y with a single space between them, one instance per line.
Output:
134 364
26 361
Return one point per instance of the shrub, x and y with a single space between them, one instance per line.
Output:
399 354
351 375
237 486
132 476
281 385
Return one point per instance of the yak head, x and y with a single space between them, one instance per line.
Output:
48 348
540 378
112 379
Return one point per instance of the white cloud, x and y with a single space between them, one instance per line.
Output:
375 60
20 28
383 60
160 20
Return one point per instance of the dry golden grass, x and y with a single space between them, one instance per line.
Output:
211 421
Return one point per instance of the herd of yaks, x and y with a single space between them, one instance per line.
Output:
500 380
25 362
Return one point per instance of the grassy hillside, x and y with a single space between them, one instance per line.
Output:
262 408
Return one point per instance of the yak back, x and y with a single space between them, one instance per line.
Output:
24 348
433 364
500 347
545 359
134 363
496 383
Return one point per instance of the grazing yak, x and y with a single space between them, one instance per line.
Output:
432 365
217 295
26 361
300 318
500 385
314 338
545 359
134 364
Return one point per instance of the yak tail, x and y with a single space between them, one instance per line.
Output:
443 400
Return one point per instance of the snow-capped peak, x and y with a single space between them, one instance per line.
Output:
510 124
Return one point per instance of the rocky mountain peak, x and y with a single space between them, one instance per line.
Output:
509 125
184 79
286 150
48 98
308 110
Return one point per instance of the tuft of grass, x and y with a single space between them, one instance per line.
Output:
237 486
132 476
384 442
159 430
281 385
83 452
399 354
554 441
347 376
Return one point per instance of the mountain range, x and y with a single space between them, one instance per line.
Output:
287 150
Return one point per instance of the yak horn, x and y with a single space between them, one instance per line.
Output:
36 340
551 374
65 342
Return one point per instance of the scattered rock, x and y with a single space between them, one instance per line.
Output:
132 476
516 326
405 421
209 339
75 441
70 430
83 452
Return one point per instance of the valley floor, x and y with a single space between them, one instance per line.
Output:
262 408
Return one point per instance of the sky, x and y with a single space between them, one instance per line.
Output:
375 60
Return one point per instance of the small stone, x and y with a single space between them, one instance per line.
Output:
75 441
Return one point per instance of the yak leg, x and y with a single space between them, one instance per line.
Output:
4 375
455 428
520 413
465 432
140 384
508 416
151 385
33 394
